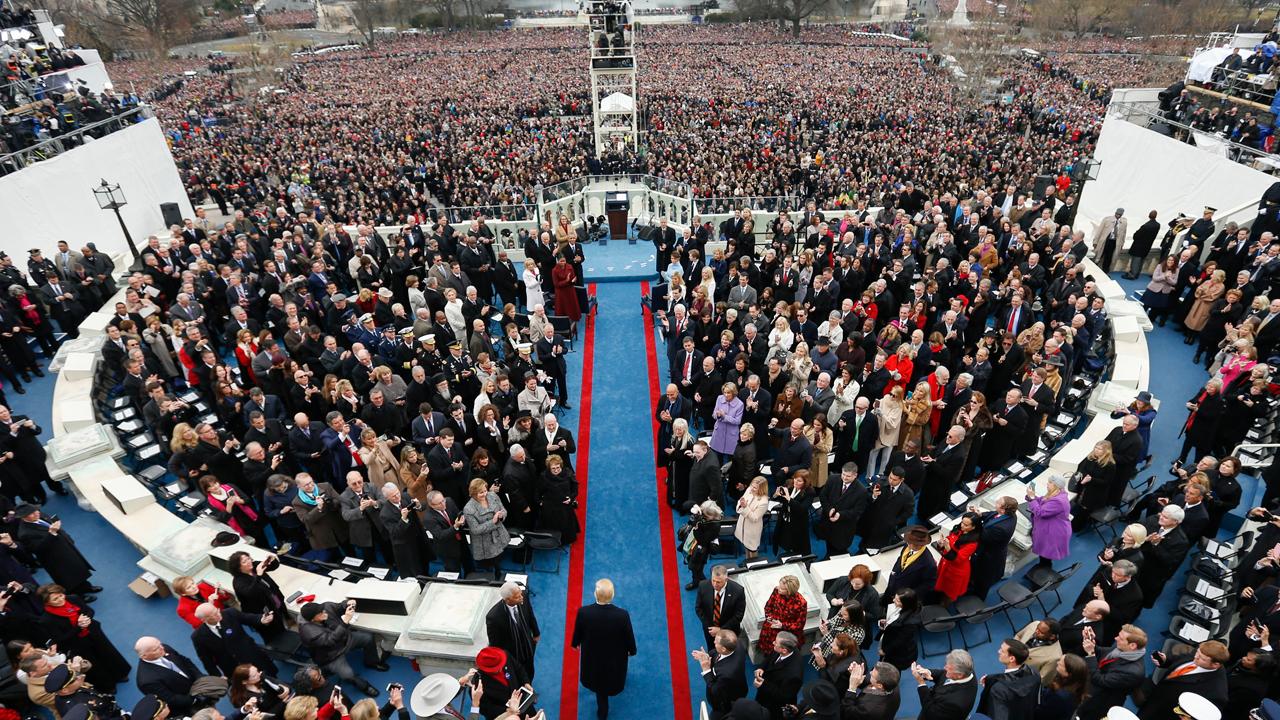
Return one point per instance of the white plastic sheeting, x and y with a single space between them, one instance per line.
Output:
53 199
1143 171
1202 65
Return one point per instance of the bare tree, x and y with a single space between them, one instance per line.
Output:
367 14
1076 17
784 11
159 24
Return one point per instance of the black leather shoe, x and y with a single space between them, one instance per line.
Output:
692 586
59 489
370 690
89 598
382 667
37 372
18 389
26 378
90 589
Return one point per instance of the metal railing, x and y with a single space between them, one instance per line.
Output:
754 203
53 147
1255 87
559 191
503 213
1243 154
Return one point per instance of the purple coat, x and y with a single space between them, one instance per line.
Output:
724 438
1051 526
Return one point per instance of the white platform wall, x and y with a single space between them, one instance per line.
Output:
53 200
1143 171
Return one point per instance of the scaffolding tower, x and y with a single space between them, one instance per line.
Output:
612 38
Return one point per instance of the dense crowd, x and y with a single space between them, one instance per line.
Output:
924 350
369 406
237 24
366 407
775 115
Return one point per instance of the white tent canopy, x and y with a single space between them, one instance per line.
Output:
617 102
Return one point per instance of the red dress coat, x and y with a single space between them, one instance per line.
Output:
563 278
790 610
936 390
904 367
953 568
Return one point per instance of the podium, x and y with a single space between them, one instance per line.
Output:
616 205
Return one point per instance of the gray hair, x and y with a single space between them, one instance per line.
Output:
1125 568
389 487
719 571
888 675
710 509
960 661
786 641
509 590
431 496
1174 513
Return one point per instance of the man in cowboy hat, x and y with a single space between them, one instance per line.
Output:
433 694
915 567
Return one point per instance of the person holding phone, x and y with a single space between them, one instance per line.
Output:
501 676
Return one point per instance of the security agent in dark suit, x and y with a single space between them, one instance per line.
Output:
728 596
222 642
1014 693
512 626
915 567
724 672
1203 672
988 563
954 688
843 503
942 472
168 675
1114 672
892 504
778 679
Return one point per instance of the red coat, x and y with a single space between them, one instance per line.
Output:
563 278
953 568
904 367
790 610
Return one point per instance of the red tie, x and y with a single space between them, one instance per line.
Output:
1013 314
354 455
688 365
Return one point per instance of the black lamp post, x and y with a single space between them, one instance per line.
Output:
111 197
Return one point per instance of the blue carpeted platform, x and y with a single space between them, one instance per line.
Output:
620 261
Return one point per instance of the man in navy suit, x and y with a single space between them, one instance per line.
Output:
426 427
270 405
307 446
993 546
342 441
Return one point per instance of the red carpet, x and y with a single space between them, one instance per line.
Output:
671 561
569 668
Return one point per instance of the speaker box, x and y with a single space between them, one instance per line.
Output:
172 215
647 232
1042 184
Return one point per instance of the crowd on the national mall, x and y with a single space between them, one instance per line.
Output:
396 398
